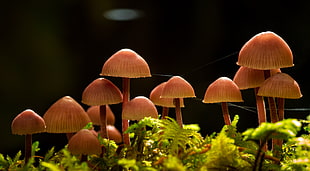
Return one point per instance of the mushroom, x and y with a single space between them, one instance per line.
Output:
94 115
177 88
102 92
281 86
266 51
223 90
65 116
139 108
126 64
27 123
164 102
84 143
247 78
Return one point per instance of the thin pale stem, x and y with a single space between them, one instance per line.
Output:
126 97
28 147
103 121
165 112
178 112
225 113
260 105
261 113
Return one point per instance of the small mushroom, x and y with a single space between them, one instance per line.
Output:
164 102
247 78
84 143
65 116
139 108
126 64
102 92
177 88
94 115
27 123
223 90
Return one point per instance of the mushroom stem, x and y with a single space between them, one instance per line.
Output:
225 113
261 112
178 111
126 97
260 105
281 108
103 121
165 112
28 147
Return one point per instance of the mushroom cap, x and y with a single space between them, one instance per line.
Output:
138 108
247 78
65 116
28 122
84 142
165 102
94 115
114 134
280 85
265 51
126 63
100 92
222 90
177 87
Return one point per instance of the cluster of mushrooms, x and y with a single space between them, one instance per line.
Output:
260 60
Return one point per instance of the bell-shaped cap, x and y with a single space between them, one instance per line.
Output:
84 142
177 87
126 63
94 115
280 85
28 122
101 92
222 90
247 78
159 101
138 108
265 51
65 116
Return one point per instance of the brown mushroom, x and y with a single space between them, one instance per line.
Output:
27 123
84 143
65 116
102 92
126 64
247 78
165 103
223 90
138 108
177 88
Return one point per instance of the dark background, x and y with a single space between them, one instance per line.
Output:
49 49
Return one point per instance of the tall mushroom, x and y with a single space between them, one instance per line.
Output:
102 92
165 103
177 88
223 90
126 64
65 116
266 51
281 86
27 123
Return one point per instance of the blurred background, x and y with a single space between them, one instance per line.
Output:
50 49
